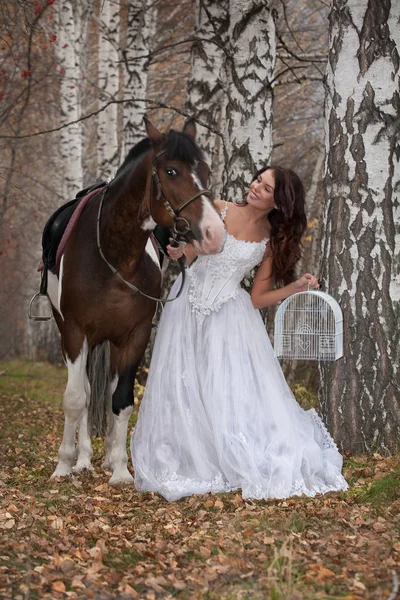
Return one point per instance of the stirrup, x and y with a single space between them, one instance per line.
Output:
38 317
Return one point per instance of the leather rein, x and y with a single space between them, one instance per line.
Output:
177 234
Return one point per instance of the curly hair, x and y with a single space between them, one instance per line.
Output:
288 223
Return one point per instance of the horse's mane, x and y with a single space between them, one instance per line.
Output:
178 146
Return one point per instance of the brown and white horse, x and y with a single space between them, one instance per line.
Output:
105 324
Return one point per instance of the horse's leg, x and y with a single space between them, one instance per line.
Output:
75 401
126 360
122 406
85 452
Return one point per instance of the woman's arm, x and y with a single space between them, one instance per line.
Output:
262 294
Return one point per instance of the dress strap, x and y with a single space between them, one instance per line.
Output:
224 211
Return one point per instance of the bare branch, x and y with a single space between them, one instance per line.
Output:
288 25
278 75
302 79
303 58
153 104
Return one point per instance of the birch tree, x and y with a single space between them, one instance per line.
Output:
141 23
207 82
360 393
108 157
69 40
249 65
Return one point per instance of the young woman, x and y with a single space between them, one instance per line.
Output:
217 413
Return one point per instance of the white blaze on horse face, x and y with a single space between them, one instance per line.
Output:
54 287
211 226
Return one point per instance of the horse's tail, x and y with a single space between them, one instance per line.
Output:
99 375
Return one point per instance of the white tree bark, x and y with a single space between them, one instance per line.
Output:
250 62
360 394
141 23
207 82
70 76
108 158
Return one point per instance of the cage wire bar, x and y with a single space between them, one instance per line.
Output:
309 326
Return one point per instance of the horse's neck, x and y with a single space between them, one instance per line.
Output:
125 231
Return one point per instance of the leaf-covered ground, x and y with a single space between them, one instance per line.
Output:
80 538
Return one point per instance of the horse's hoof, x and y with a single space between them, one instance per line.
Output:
82 466
61 471
121 479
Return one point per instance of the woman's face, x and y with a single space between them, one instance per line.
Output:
261 194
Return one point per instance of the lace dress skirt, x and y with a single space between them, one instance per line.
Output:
218 415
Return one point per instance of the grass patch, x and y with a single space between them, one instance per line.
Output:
35 380
126 558
304 397
381 492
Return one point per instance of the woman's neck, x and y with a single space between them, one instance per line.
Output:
255 215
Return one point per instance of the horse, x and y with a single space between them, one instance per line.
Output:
109 280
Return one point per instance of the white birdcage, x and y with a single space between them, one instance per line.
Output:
309 326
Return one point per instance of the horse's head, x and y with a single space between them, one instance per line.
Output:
178 195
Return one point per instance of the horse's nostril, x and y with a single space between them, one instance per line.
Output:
208 234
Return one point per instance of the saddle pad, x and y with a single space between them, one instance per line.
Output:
72 222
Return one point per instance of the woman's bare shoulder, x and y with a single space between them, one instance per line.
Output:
220 204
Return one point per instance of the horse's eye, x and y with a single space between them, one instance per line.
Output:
171 172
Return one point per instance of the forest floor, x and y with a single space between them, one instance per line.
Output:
80 538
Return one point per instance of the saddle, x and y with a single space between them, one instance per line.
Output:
54 230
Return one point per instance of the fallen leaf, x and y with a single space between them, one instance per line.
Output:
58 587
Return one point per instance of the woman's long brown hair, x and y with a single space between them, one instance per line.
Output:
288 223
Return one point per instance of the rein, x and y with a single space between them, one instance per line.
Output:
118 274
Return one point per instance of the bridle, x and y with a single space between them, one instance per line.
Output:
176 234
174 212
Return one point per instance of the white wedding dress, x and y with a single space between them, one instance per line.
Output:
217 413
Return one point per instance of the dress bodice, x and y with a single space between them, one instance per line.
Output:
215 278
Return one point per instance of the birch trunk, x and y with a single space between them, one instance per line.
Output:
360 393
141 23
70 76
108 158
41 341
250 61
207 83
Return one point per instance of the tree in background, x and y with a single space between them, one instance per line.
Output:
249 65
29 166
108 155
360 394
70 48
140 28
206 86
230 88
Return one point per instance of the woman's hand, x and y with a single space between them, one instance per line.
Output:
175 252
305 282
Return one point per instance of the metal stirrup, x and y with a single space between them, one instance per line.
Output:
38 317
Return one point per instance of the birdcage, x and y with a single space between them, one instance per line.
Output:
309 326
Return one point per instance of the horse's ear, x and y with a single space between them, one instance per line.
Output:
190 128
155 136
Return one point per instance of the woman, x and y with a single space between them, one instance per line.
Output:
217 413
